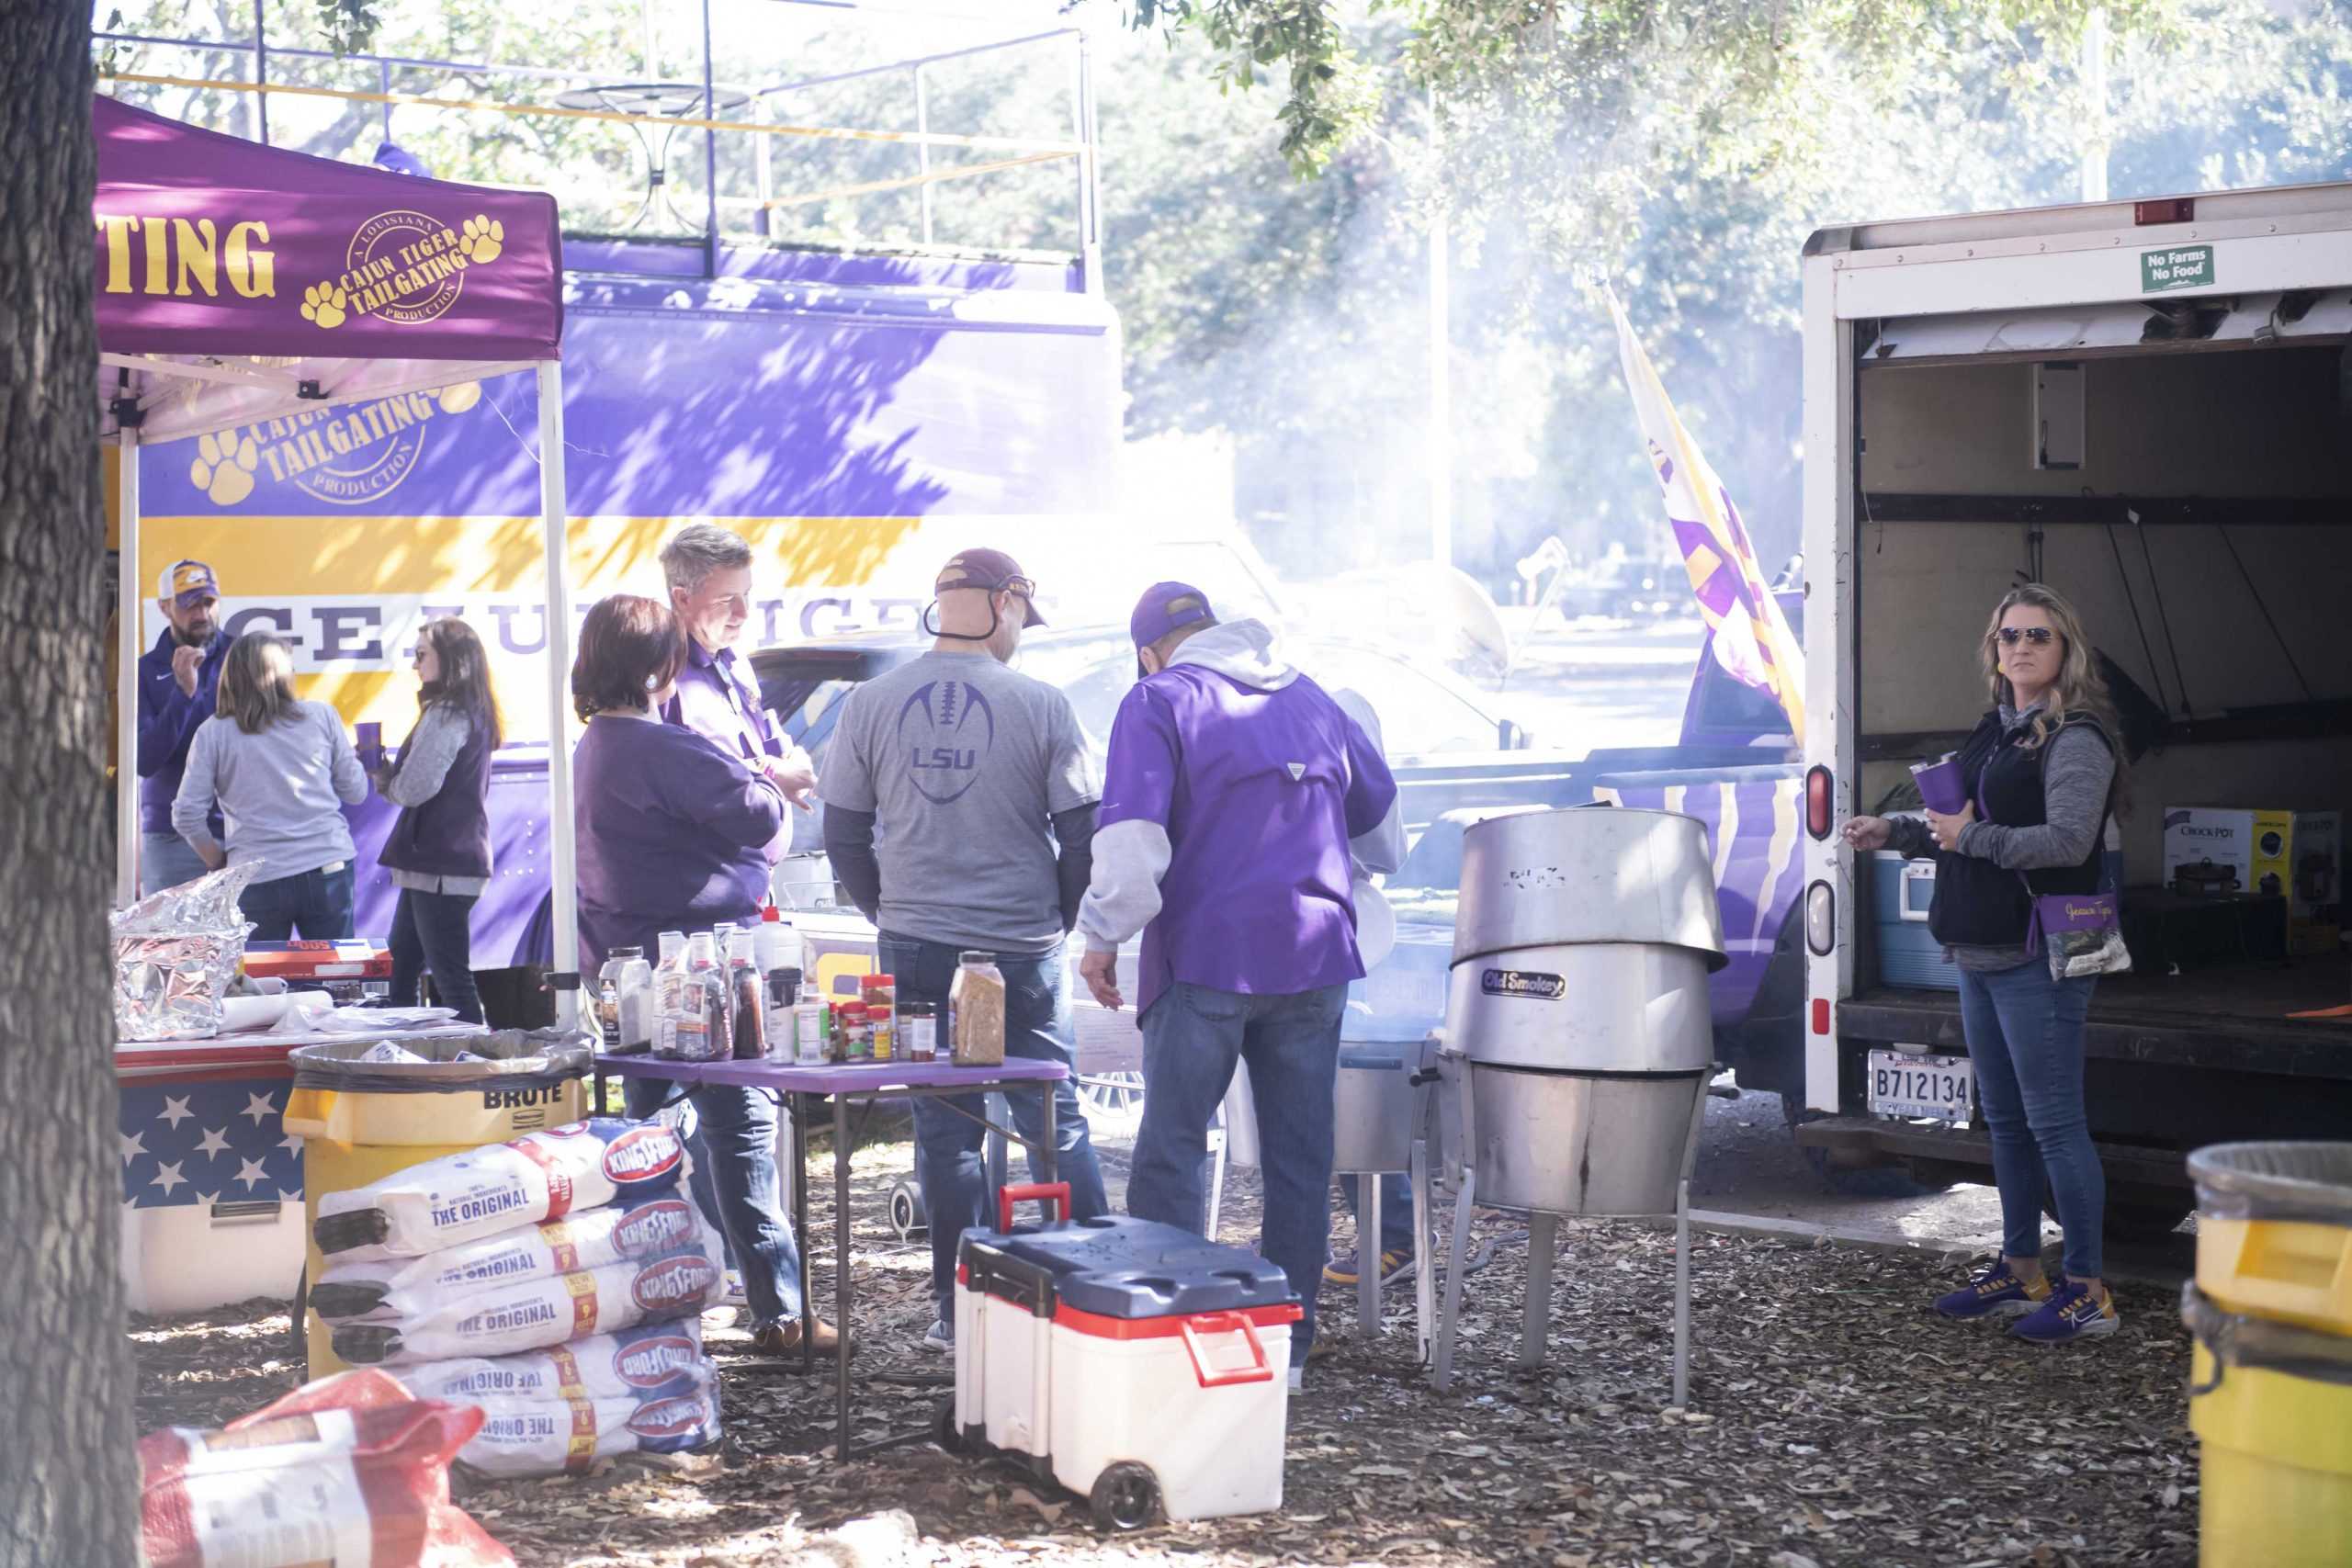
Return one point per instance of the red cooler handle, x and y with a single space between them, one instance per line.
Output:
1046 1192
1226 1322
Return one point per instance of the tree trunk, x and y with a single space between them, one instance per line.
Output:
67 1477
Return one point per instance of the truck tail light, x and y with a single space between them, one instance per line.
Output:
1819 793
1820 920
1821 1015
2170 209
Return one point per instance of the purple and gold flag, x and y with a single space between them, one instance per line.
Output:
1752 640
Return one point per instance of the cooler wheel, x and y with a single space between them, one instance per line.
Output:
908 1215
1126 1497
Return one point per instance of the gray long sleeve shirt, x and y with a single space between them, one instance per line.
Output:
279 791
2076 778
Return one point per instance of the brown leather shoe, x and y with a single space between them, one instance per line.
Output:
784 1338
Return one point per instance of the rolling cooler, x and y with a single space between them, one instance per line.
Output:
1135 1363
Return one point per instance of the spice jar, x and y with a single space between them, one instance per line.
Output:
919 1032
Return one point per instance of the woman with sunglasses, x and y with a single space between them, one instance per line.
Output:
2043 773
439 850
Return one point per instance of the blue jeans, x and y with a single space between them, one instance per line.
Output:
1395 1212
732 1132
1192 1037
166 860
315 903
434 931
947 1146
2024 1037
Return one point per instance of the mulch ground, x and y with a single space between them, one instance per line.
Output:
1831 1421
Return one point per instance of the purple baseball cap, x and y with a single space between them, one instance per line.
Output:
1165 607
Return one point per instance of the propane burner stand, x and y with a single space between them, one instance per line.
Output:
1460 1171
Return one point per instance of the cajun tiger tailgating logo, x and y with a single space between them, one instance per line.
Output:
407 267
348 455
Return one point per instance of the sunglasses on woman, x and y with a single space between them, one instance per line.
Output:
2038 636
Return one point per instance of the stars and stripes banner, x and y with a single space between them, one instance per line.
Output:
195 1143
1752 640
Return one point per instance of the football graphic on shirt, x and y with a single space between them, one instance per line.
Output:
946 730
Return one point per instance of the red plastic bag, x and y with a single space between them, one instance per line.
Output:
349 1469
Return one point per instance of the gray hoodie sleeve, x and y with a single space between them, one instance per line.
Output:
2075 781
426 754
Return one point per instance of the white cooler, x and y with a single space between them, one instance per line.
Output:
1135 1363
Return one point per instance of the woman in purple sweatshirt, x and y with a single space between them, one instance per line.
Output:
672 835
671 831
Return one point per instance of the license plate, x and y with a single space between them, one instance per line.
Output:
1933 1087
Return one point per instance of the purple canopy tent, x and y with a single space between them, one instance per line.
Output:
238 285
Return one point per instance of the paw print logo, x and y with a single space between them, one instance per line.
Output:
482 238
459 397
224 467
324 304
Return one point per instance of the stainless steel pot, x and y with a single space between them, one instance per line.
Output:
1588 875
1568 1143
1595 1006
1373 1108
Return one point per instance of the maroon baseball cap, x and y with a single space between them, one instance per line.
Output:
995 571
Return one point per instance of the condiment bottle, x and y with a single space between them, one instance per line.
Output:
919 1032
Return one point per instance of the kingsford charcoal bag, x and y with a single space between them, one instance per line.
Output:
462 1198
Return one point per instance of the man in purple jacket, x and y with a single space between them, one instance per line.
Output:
1236 788
177 679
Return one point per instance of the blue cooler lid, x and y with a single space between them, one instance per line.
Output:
1120 1267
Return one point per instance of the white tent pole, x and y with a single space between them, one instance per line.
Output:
553 526
131 634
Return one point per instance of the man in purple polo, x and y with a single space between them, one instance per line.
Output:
709 570
1235 790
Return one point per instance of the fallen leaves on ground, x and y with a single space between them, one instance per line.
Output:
1832 1421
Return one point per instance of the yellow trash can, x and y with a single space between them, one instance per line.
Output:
361 1120
2274 1231
2272 1406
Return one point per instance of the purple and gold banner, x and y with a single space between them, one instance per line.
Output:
207 244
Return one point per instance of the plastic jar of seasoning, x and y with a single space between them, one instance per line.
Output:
919 1032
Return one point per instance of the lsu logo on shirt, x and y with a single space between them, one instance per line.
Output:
946 730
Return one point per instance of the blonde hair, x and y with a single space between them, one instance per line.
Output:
256 683
2080 689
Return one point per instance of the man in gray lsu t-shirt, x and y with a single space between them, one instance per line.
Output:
959 814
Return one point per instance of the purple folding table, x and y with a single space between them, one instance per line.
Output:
795 1087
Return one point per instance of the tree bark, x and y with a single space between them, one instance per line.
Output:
67 1467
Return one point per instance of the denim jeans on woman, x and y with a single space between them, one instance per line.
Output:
434 931
947 1146
314 904
732 1136
2025 1038
1192 1037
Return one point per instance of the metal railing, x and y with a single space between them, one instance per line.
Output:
761 131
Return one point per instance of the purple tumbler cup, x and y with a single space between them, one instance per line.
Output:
1941 785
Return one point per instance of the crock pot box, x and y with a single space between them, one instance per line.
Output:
2295 855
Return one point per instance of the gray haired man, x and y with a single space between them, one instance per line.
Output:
708 569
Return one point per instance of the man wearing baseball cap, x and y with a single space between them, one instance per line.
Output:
177 679
1240 797
978 783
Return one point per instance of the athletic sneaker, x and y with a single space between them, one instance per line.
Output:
940 1338
2072 1314
1344 1269
1997 1292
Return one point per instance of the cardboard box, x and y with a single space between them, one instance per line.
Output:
2294 855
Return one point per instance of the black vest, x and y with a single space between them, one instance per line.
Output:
448 835
1978 904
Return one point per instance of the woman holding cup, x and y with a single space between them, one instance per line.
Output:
2036 783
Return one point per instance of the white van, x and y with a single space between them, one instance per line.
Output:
2148 406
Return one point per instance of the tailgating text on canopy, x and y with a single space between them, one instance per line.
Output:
200 251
